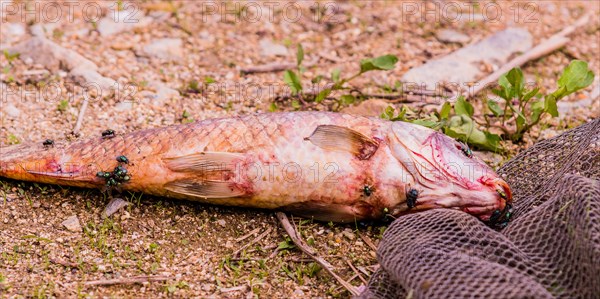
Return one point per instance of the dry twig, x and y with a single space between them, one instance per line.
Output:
84 106
246 236
368 241
260 237
356 271
555 42
285 222
64 263
126 280
267 68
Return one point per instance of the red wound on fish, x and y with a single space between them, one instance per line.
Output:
338 138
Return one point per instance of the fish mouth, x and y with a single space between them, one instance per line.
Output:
493 207
500 217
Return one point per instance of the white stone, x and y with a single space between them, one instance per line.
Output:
268 48
15 29
463 66
11 111
165 48
119 21
72 224
452 36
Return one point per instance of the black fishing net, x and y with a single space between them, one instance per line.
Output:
551 248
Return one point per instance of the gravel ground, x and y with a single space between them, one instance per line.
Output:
181 61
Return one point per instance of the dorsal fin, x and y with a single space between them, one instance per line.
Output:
343 139
204 162
204 189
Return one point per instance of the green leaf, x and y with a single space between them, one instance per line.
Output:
347 99
537 108
515 78
388 113
209 80
505 90
62 105
291 79
445 111
576 76
494 107
462 107
521 121
296 104
503 82
272 107
11 56
322 95
299 55
432 124
335 75
386 62
530 95
401 114
284 245
317 79
463 128
550 105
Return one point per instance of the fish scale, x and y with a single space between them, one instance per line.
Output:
314 164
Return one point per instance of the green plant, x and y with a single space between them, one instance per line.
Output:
186 117
521 109
286 244
209 80
12 139
153 247
526 107
11 56
171 287
294 80
62 105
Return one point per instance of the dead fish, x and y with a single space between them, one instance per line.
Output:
328 166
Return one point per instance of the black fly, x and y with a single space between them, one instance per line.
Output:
108 134
48 143
367 190
411 197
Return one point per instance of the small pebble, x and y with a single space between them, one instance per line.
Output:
221 222
114 206
349 234
72 224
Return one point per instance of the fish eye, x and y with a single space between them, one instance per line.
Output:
465 149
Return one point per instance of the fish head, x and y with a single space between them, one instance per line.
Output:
444 174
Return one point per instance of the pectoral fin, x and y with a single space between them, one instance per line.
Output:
343 139
204 162
57 174
204 189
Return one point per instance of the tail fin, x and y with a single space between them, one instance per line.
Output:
17 160
32 162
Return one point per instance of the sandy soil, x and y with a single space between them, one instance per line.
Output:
191 244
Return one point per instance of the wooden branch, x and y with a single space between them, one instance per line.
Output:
248 235
276 67
126 280
356 271
398 98
285 222
368 241
260 237
267 68
64 263
555 42
79 122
